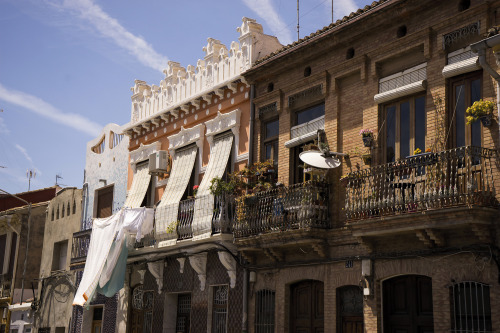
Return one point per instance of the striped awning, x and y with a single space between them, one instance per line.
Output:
139 187
204 202
182 168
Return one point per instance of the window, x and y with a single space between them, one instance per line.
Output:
57 214
52 214
464 91
74 206
59 255
264 311
104 201
470 307
219 309
309 114
68 210
270 142
97 320
298 175
405 128
183 313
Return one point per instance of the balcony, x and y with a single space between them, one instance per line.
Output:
457 177
80 247
299 206
223 212
430 195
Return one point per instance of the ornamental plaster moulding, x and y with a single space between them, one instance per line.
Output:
186 137
229 263
142 153
199 263
223 122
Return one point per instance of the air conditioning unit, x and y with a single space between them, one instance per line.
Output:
159 162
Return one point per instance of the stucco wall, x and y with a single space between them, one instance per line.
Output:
110 165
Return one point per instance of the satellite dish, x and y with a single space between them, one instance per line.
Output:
321 160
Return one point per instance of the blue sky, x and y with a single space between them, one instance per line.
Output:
66 67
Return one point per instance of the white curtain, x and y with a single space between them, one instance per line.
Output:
204 203
139 186
182 168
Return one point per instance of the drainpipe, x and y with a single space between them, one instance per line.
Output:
252 116
244 320
480 48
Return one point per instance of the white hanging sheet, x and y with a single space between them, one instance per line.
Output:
100 261
182 168
139 187
204 202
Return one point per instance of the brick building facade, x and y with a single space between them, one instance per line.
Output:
398 240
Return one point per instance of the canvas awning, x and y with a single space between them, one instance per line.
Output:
139 187
204 202
182 168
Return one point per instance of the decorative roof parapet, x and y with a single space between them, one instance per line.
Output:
220 67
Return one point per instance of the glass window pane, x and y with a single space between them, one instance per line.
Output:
404 116
460 115
390 140
475 95
310 114
420 123
272 129
269 151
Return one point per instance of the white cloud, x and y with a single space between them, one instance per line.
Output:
46 110
266 11
24 152
341 8
109 27
3 127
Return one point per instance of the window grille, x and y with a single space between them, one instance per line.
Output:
470 307
115 139
264 311
183 313
99 148
219 309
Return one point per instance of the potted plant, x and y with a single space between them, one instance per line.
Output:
420 159
367 158
195 190
367 136
480 110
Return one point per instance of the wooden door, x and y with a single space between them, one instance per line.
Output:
307 313
350 310
137 321
408 304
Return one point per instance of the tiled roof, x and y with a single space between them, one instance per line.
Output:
346 19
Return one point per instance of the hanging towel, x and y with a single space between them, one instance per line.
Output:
103 233
117 278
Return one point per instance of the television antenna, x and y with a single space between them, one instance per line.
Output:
58 176
30 173
324 158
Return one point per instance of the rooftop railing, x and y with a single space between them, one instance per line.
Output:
294 207
456 177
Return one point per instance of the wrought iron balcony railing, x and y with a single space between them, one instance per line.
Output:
456 177
294 207
223 212
80 247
